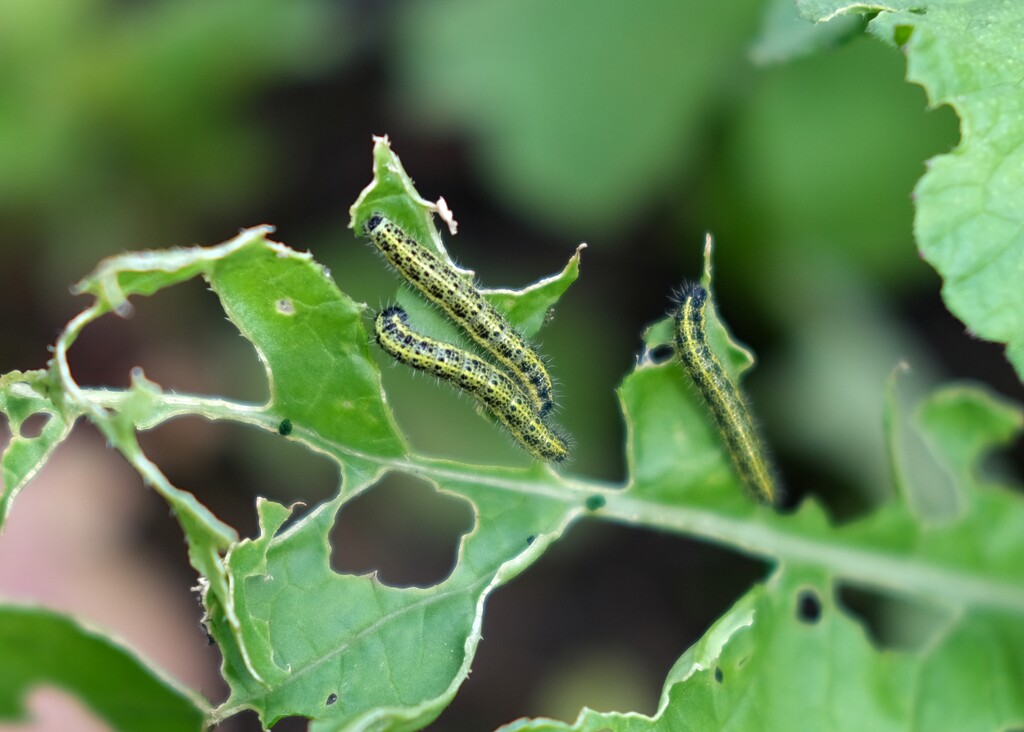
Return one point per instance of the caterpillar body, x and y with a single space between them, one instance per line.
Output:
502 396
725 400
443 286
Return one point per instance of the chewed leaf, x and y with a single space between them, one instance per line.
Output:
530 307
392 195
969 222
354 653
24 396
309 336
344 649
792 634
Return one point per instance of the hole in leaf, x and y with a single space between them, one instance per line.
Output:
403 529
54 708
602 593
181 340
288 724
247 721
661 354
226 466
33 425
808 607
894 622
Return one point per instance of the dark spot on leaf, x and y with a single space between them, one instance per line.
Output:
530 539
718 674
808 607
331 699
662 353
285 428
595 502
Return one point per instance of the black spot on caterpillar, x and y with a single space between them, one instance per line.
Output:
490 385
725 400
443 286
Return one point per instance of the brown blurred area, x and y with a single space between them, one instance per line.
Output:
155 124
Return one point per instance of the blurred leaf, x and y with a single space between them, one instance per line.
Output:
821 158
43 648
119 119
785 35
919 475
578 128
823 395
970 219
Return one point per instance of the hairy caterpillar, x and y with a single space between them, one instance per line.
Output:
723 397
440 284
492 386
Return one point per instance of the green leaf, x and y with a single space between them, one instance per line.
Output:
309 336
43 647
24 395
787 656
970 219
354 653
351 652
325 387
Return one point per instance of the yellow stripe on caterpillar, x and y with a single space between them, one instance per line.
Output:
725 400
443 286
490 385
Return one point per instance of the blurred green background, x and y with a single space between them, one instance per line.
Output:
633 127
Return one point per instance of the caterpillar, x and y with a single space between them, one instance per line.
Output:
725 400
443 286
491 386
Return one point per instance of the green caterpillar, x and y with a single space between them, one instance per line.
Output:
723 397
443 286
491 386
